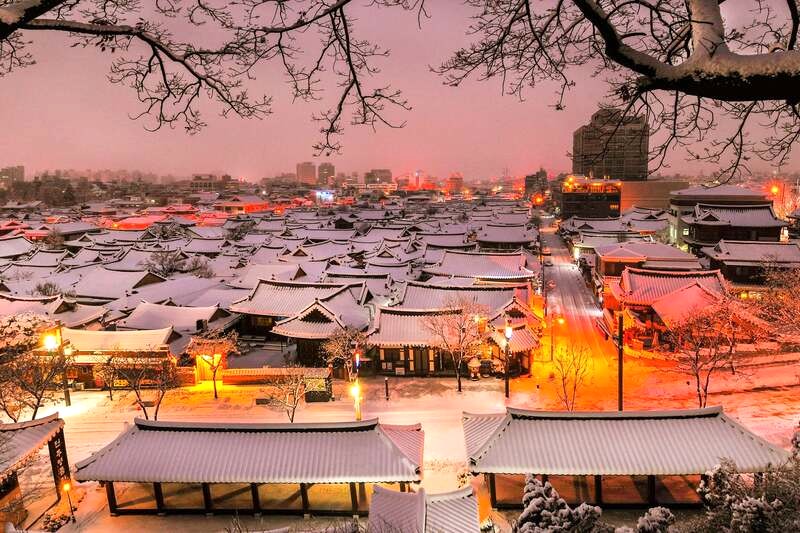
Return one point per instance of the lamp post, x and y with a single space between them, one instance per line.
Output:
54 343
509 331
67 487
355 392
560 321
620 353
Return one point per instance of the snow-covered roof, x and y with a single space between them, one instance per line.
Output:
758 253
69 313
681 442
717 192
418 295
401 327
23 440
450 512
653 253
285 298
102 283
642 287
740 216
15 246
332 452
506 234
183 319
485 265
83 340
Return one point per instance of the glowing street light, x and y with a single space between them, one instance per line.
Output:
558 321
66 486
54 342
775 190
355 392
509 332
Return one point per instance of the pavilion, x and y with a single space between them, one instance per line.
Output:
156 467
634 458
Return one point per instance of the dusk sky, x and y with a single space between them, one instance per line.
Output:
62 113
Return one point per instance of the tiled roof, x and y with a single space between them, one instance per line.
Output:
613 443
643 287
103 341
755 252
484 265
338 452
426 295
420 512
396 327
285 298
506 234
740 216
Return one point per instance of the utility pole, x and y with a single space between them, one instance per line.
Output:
620 351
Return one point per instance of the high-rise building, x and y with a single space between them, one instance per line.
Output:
325 173
612 146
578 196
378 175
14 174
535 183
455 183
307 173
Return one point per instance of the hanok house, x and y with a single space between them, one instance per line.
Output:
91 349
643 296
273 302
744 263
709 224
506 236
613 259
320 468
21 443
610 458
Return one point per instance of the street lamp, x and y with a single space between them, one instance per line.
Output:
355 392
559 321
66 486
54 342
509 331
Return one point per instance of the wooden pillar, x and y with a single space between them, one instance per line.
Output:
402 486
598 490
111 496
651 490
492 491
353 499
159 494
304 498
256 499
545 477
208 504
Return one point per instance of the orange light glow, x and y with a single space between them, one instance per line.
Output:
560 320
775 189
50 342
66 486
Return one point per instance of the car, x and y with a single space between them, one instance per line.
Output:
548 262
546 251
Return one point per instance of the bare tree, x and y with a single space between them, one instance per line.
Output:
704 342
674 61
165 262
571 366
150 377
28 374
288 390
780 303
199 266
107 371
213 348
339 348
457 330
54 240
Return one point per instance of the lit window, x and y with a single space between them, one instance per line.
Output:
685 232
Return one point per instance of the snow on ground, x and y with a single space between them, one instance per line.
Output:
766 401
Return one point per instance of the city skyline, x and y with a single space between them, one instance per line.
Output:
446 130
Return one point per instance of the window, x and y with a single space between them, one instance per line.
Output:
685 232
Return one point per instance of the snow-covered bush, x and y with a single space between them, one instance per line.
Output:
544 510
740 502
655 520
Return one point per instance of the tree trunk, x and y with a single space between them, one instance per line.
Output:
214 379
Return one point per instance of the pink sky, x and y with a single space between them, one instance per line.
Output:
62 113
